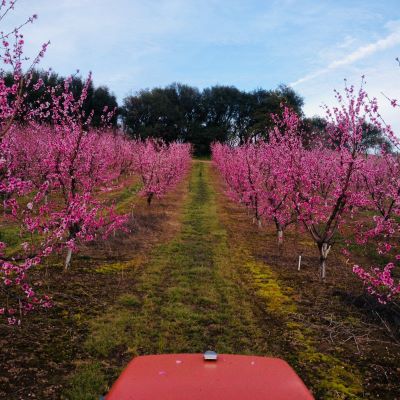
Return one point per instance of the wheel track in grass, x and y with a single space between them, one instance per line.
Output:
202 291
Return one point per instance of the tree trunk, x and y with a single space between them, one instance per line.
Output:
280 237
68 259
73 231
149 198
324 249
279 230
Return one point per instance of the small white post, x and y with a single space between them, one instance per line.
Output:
299 265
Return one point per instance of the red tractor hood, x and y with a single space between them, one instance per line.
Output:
189 377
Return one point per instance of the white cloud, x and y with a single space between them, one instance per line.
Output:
391 40
347 42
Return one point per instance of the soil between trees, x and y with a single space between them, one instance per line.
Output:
194 274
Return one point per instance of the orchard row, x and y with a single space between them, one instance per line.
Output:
52 182
54 168
334 188
53 175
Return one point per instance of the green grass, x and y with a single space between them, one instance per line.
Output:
87 383
129 300
202 158
187 304
11 235
125 199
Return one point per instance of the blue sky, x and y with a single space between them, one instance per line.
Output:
311 44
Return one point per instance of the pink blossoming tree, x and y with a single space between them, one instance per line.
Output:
160 166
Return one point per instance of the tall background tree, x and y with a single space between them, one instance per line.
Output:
219 113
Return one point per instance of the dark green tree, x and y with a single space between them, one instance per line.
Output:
218 113
267 102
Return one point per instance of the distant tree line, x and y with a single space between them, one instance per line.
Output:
189 115
219 113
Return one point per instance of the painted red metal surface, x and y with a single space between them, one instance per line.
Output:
189 377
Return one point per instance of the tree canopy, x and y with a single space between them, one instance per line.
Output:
219 113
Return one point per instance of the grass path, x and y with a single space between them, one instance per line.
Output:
202 291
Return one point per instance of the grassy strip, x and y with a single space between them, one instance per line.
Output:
184 300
